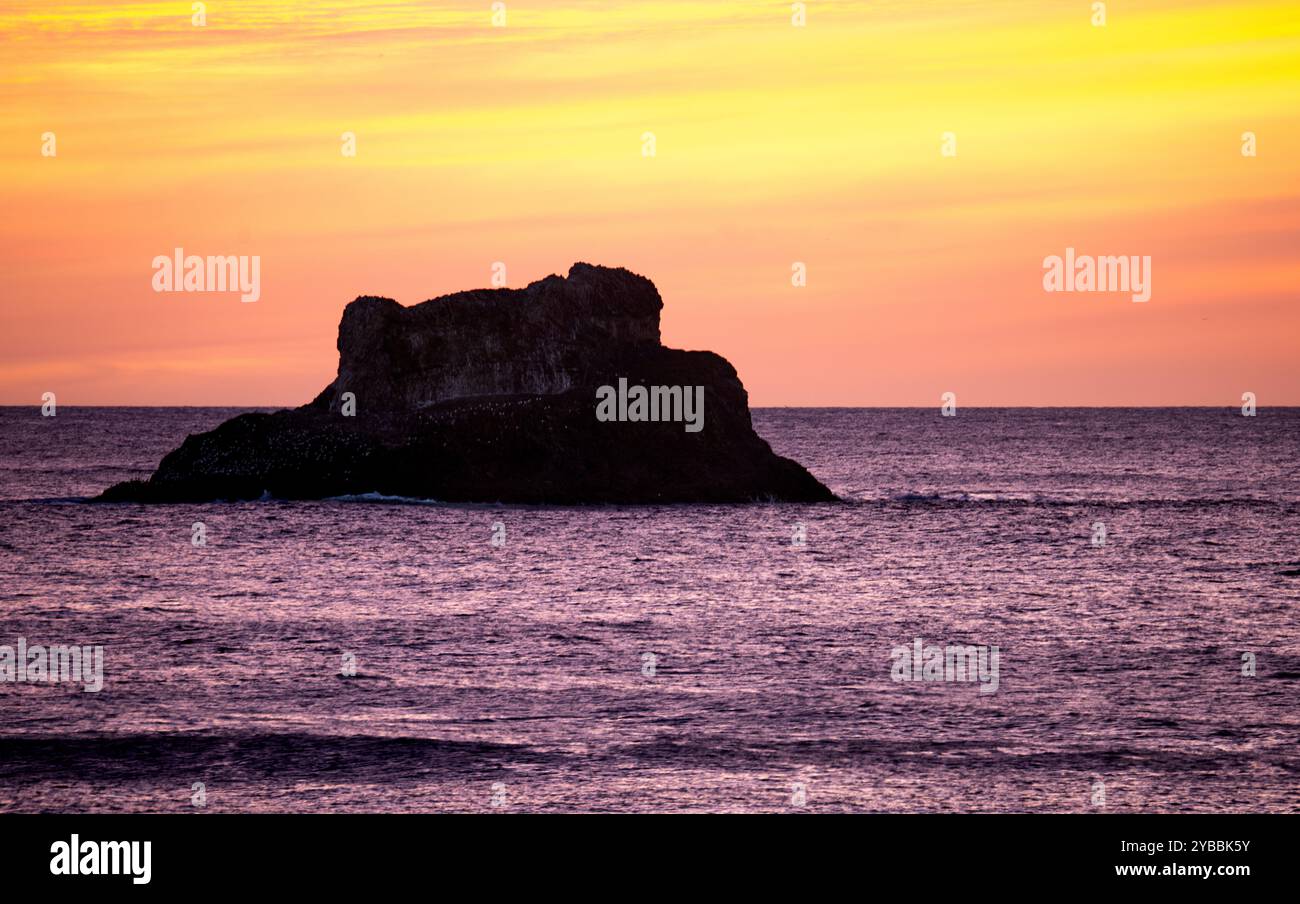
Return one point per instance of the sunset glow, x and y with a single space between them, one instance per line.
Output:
774 144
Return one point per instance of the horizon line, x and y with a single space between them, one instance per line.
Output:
1258 407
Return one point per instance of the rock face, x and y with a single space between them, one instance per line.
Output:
491 396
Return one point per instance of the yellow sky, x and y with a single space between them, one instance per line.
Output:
774 144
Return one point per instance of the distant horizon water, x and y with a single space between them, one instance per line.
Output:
1125 582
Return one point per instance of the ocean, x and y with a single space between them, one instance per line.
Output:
371 654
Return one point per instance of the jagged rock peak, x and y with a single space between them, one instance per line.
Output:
541 339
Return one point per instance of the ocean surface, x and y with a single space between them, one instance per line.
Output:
675 658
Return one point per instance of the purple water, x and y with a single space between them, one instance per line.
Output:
516 678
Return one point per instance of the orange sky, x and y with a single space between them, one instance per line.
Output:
774 144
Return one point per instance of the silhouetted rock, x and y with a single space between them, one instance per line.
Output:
491 396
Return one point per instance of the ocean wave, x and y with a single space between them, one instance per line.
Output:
981 497
250 755
382 499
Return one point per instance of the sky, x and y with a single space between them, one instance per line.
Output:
920 160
